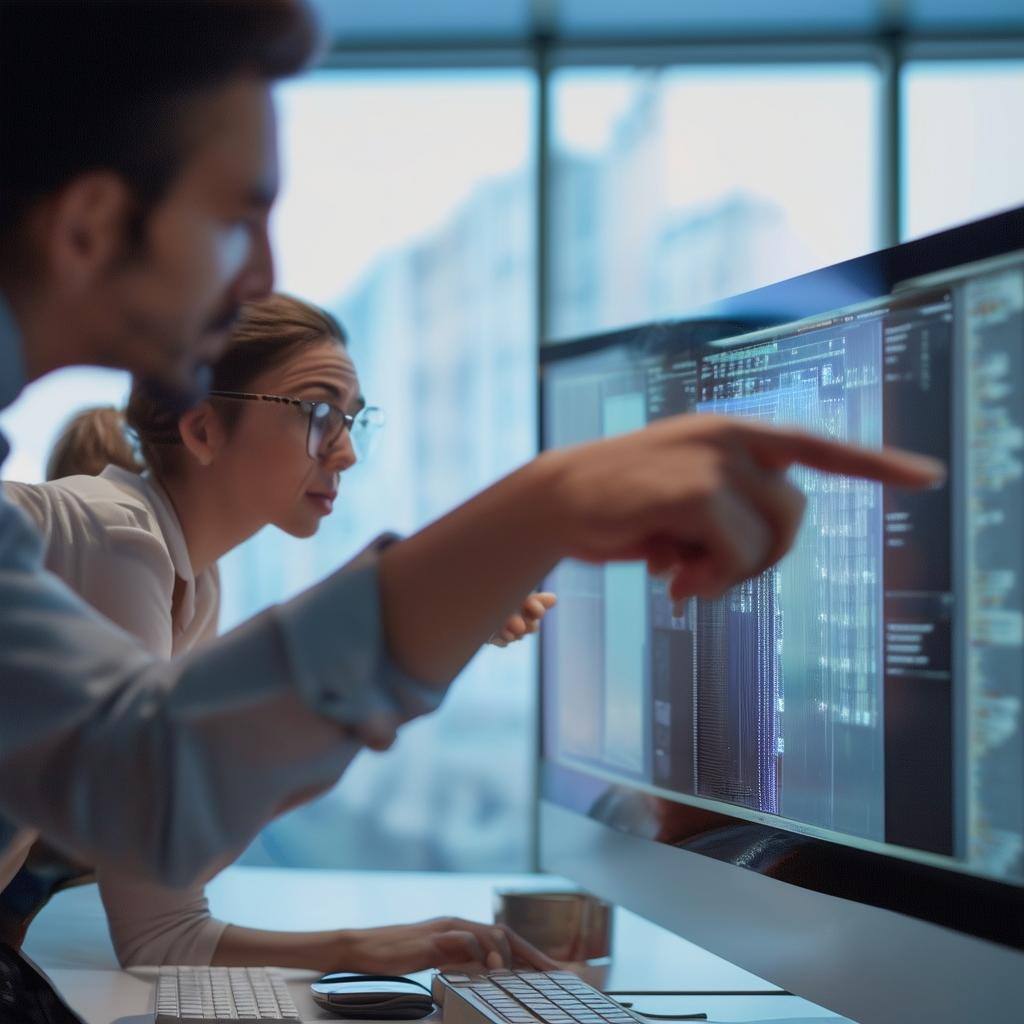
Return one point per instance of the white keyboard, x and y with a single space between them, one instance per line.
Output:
524 997
219 995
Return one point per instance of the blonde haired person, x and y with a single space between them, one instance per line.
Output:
140 543
90 441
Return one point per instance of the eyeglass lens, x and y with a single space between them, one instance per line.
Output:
326 425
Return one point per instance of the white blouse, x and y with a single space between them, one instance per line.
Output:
116 541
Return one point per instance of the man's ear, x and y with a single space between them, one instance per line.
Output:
202 432
87 228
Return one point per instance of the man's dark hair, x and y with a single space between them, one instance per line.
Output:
102 84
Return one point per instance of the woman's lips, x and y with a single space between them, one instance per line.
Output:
323 501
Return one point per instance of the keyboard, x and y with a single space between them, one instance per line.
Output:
524 997
217 995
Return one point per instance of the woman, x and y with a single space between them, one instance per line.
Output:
284 420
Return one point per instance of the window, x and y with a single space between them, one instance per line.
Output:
407 208
34 422
674 187
963 147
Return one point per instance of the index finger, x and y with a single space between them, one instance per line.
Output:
495 943
778 448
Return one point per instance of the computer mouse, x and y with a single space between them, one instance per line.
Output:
372 997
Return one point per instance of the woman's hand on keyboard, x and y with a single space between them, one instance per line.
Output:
440 942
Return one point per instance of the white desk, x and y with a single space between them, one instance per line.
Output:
69 938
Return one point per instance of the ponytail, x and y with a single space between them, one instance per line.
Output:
92 440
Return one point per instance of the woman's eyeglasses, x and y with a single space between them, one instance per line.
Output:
326 422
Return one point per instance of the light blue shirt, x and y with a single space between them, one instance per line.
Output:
167 769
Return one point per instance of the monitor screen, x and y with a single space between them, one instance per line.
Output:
864 695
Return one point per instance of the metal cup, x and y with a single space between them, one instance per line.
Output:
573 927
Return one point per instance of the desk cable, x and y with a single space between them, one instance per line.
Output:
692 992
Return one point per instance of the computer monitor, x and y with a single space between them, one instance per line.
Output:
820 776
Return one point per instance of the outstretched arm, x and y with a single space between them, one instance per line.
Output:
151 924
702 498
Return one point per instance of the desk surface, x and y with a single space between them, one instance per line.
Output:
69 939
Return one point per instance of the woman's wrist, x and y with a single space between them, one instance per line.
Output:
333 950
350 951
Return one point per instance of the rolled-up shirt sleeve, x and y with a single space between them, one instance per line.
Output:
151 924
165 769
333 681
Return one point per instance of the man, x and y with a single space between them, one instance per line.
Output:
138 169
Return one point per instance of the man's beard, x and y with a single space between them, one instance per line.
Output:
187 388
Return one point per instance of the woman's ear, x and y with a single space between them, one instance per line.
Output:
202 433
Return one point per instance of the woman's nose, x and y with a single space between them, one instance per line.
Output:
341 455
